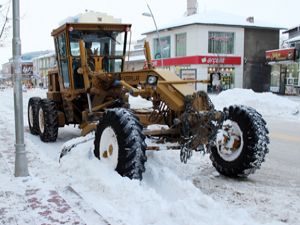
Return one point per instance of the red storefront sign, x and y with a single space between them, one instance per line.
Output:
188 60
281 54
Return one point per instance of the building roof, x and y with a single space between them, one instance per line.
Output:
49 53
294 39
293 28
27 57
218 18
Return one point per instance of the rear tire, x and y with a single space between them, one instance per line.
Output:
119 139
47 120
247 152
32 112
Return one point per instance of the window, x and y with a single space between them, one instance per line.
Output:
275 76
221 42
292 74
181 44
62 45
112 65
100 44
163 51
63 62
64 71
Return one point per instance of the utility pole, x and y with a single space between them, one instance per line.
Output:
21 167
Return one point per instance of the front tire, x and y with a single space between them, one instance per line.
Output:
32 112
120 143
241 144
47 120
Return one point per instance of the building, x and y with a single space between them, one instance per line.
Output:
135 59
285 63
218 46
41 65
26 65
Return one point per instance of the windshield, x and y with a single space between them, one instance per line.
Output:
99 43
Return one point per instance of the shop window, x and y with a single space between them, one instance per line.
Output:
275 78
163 51
292 74
221 42
220 79
181 44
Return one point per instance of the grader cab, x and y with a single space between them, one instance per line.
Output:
90 88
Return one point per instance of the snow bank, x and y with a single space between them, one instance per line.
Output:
268 104
162 197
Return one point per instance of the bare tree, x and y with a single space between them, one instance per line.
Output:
5 23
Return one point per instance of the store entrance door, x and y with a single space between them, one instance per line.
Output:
283 72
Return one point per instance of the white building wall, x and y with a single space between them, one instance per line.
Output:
197 44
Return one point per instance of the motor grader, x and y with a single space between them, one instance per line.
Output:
90 88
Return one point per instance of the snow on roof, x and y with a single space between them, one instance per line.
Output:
218 18
294 39
290 29
49 54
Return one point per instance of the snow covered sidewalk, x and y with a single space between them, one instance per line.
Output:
26 200
29 200
29 203
34 199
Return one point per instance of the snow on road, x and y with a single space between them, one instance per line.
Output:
170 193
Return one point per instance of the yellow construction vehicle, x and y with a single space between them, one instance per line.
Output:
90 88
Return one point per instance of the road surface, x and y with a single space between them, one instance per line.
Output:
273 192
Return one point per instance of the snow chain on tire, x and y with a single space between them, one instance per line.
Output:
50 120
131 141
255 143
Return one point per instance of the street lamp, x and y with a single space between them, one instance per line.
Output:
21 167
158 36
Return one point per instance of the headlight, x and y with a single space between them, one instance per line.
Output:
152 80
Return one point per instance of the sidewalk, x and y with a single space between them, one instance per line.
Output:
30 200
25 201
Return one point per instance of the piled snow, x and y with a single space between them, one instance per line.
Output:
267 104
139 103
161 198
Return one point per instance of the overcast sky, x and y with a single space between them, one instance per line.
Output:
39 17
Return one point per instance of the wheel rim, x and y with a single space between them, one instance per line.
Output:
41 120
109 148
230 141
30 113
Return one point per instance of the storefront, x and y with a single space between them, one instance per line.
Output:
284 71
219 70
